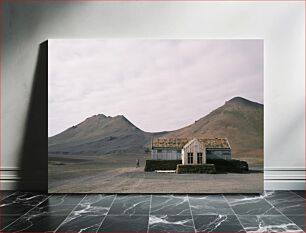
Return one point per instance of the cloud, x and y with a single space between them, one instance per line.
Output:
157 84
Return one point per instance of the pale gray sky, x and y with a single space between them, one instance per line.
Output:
157 84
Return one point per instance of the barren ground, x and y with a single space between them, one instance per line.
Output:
118 174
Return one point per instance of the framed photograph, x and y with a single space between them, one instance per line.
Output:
155 115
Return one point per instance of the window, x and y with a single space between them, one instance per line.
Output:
190 158
199 158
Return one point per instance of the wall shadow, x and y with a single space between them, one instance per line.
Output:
34 152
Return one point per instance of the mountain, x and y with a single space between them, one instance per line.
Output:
239 120
100 134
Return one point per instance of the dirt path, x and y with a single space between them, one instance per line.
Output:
129 180
104 176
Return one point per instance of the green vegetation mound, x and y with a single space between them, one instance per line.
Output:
198 168
152 165
233 165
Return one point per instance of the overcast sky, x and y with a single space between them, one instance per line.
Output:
157 84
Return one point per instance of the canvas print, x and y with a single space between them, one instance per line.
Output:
155 116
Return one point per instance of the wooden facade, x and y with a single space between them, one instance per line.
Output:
194 152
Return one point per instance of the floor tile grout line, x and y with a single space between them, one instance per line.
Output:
151 196
191 214
283 214
56 229
25 213
106 213
297 195
149 213
234 213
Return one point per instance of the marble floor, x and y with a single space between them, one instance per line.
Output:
273 211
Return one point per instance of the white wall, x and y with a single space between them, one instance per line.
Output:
281 24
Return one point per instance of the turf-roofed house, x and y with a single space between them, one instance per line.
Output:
197 155
167 148
194 151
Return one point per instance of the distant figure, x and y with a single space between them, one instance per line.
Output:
137 162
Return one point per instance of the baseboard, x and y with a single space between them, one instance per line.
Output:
10 180
284 178
275 178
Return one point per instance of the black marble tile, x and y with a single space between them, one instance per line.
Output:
209 205
124 223
45 208
28 197
299 220
168 213
130 204
81 223
35 223
95 204
48 214
250 205
60 205
7 220
217 223
266 223
5 194
65 199
20 203
170 205
88 214
286 202
164 223
301 193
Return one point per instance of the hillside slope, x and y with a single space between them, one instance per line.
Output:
99 134
239 120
